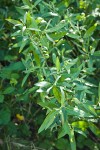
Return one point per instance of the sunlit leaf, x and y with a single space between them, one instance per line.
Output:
42 84
57 94
14 22
57 64
90 31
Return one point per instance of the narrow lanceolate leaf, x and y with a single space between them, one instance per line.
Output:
24 80
14 22
24 43
87 107
62 95
76 74
74 36
94 129
57 27
49 38
56 93
58 35
37 59
90 31
49 105
48 121
90 109
57 64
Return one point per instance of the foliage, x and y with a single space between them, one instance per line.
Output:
50 59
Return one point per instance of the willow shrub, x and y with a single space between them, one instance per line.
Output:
56 64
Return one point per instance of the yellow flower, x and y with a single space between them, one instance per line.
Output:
19 117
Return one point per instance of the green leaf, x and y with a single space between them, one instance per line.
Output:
31 22
44 41
1 98
68 64
76 112
23 44
87 107
94 129
63 131
57 64
49 38
9 90
90 109
80 124
80 132
76 71
96 53
19 10
5 73
25 78
62 144
48 121
72 139
57 36
57 27
90 31
57 93
16 66
37 2
48 105
17 44
28 19
74 36
14 22
27 2
81 87
4 116
37 59
66 129
62 95
54 57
